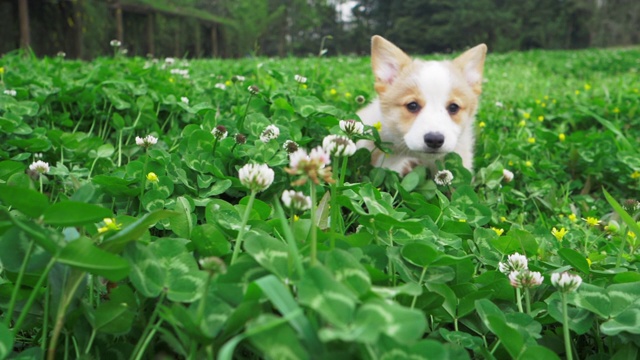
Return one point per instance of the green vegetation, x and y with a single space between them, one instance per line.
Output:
115 249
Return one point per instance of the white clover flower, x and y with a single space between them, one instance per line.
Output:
10 92
238 78
169 61
115 43
351 127
566 282
146 141
256 177
269 133
443 178
525 279
290 146
515 262
253 89
310 166
300 79
220 86
499 104
185 100
39 166
61 54
220 132
296 200
338 145
507 175
182 72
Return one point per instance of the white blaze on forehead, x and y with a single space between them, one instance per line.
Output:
435 84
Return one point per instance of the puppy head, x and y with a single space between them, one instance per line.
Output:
426 103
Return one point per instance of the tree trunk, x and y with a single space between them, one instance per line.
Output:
23 14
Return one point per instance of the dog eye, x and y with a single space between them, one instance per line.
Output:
413 107
453 108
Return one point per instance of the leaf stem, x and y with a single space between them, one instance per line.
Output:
34 294
415 297
314 233
16 287
142 344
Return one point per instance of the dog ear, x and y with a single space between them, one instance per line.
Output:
387 60
471 62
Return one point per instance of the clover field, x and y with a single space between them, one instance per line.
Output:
113 250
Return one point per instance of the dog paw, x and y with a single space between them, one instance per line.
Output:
407 166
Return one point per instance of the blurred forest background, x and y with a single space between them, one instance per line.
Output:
238 28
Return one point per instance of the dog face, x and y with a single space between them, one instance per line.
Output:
427 104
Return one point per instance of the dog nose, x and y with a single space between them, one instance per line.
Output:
434 140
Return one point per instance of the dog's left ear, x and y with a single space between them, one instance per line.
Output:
471 62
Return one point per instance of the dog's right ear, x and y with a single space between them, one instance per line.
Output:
387 61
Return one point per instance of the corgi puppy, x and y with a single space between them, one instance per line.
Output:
426 109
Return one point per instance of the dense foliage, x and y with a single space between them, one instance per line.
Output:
121 246
295 27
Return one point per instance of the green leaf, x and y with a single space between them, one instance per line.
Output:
280 297
580 320
420 254
71 213
346 269
6 341
105 151
209 241
269 252
626 321
116 315
377 317
275 338
29 202
575 259
134 231
537 352
84 255
182 222
321 292
594 299
631 223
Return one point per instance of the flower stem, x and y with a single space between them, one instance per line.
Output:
245 220
527 299
314 234
519 299
244 116
34 294
565 328
148 332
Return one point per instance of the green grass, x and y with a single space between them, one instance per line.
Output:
98 258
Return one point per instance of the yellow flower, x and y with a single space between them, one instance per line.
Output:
109 224
541 118
152 177
528 163
498 231
577 92
559 234
616 110
573 217
304 86
554 101
544 105
531 140
635 174
296 218
591 221
631 234
562 137
587 87
333 91
526 115
1 70
537 101
522 123
510 162
503 219
589 262
378 126
482 124
347 95
462 220
172 80
228 83
546 97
